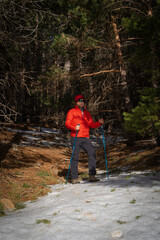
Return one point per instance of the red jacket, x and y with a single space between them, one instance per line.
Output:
77 116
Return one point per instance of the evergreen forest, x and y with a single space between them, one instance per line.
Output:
106 50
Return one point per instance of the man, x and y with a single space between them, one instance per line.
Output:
78 119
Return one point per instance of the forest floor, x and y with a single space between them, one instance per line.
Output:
27 171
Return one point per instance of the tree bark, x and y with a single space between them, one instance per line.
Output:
122 68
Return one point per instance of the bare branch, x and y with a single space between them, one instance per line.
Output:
100 72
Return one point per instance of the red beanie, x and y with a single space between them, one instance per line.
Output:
77 97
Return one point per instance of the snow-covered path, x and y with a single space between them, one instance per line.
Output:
125 207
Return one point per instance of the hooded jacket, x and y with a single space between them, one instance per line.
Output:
83 117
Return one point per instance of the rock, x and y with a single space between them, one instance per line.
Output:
15 147
7 204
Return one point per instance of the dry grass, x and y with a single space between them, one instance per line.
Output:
26 172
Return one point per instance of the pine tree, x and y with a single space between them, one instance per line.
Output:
145 117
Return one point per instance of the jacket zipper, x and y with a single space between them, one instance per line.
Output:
82 113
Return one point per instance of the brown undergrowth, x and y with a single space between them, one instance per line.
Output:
27 172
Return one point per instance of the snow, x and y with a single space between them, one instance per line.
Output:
38 137
124 207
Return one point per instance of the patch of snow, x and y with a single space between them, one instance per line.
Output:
31 137
39 138
113 209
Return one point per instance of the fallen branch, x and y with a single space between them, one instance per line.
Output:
97 73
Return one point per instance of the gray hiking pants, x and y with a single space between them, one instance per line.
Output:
84 143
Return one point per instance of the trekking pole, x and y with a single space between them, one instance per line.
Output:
72 155
105 150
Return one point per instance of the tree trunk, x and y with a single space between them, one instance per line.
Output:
123 72
123 83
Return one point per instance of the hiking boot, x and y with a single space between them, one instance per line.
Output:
93 178
75 181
